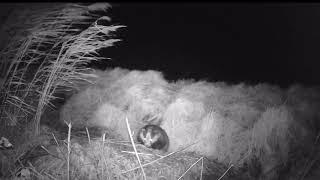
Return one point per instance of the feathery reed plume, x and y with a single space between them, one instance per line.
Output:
47 48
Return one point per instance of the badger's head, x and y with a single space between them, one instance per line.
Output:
148 137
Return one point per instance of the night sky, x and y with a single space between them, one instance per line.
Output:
252 43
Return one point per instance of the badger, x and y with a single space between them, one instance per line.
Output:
153 136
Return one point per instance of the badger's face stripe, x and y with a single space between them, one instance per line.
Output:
148 138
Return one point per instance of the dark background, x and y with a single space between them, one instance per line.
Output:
252 43
277 43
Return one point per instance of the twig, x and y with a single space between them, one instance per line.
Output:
50 152
49 175
190 168
307 166
162 157
201 169
34 170
130 152
88 135
225 172
58 145
69 150
134 147
104 158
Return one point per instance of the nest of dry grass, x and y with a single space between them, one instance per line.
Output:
77 155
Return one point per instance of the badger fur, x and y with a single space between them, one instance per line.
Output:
153 136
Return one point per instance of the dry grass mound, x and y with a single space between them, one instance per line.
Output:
59 155
216 130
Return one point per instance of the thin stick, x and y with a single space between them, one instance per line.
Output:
58 145
102 154
49 175
201 169
190 168
225 172
54 137
307 166
88 135
50 152
130 152
69 150
162 157
103 138
34 170
134 147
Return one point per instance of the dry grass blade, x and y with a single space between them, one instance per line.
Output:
49 152
59 149
225 172
35 171
201 173
50 176
102 153
88 135
138 153
310 162
200 159
162 157
49 46
134 147
69 150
